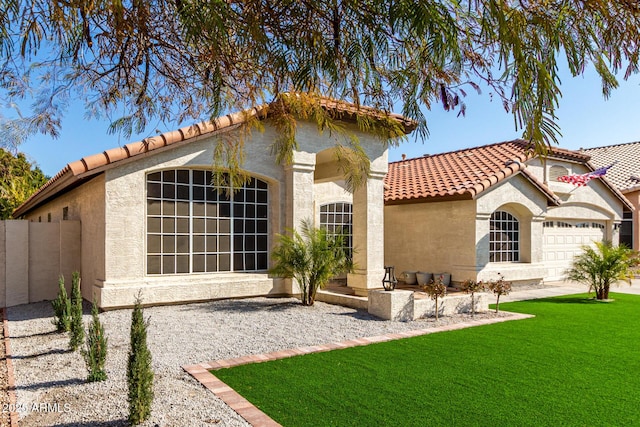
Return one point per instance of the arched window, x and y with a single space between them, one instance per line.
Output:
192 228
557 171
504 237
336 218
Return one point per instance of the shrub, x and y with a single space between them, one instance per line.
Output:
602 266
471 287
312 258
62 308
77 328
499 287
139 372
95 354
436 289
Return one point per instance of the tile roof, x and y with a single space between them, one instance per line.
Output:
625 174
462 174
73 174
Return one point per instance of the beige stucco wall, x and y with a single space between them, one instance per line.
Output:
293 197
431 237
521 199
87 205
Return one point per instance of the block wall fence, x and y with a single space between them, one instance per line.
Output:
32 257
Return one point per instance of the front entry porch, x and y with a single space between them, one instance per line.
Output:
404 304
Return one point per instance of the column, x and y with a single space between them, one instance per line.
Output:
299 190
368 236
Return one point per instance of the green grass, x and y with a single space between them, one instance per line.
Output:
577 363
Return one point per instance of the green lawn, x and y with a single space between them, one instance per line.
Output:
576 363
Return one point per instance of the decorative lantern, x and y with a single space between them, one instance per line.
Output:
389 282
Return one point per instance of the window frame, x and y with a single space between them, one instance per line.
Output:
507 248
190 228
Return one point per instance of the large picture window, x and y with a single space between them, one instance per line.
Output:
192 228
504 237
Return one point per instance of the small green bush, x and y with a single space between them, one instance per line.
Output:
95 354
139 372
62 308
77 329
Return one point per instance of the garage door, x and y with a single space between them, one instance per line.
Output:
563 240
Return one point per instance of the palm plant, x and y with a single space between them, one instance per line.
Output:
311 258
603 265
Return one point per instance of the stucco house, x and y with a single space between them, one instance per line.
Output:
625 175
151 221
494 209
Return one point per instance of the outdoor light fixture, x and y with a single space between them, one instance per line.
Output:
389 282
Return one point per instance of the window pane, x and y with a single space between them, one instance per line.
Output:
168 191
198 264
224 262
183 176
212 244
153 264
224 243
168 244
182 208
168 264
183 192
224 226
250 262
261 262
156 176
169 176
182 264
198 209
168 225
153 244
198 177
198 193
198 244
238 262
168 208
154 190
153 225
198 225
261 243
182 225
182 244
153 207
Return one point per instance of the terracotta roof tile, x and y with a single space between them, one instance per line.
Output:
74 172
458 174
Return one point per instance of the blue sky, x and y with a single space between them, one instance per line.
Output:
585 118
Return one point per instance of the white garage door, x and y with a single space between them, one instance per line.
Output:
563 240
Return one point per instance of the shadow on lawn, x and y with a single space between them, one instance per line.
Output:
570 299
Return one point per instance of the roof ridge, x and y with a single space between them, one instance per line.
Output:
518 141
610 146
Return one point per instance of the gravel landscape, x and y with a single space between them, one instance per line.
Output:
50 380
